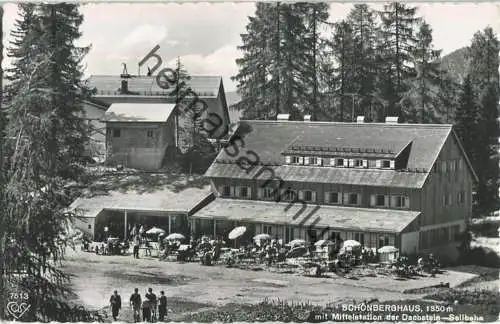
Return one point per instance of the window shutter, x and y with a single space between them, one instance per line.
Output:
351 163
220 191
234 191
444 200
301 194
345 199
373 200
393 163
301 160
259 192
306 160
314 196
406 202
288 159
332 161
386 201
450 199
378 164
365 164
319 161
358 199
327 197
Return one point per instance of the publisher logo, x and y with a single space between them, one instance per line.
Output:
17 309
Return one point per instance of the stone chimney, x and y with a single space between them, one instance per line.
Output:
307 118
360 119
391 120
283 117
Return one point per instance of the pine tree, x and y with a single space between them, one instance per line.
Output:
484 57
466 120
257 76
397 43
424 105
185 114
22 46
362 20
60 25
488 162
43 134
279 71
343 53
315 16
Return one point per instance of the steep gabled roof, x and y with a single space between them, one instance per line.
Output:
270 139
203 86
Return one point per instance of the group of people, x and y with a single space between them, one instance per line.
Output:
152 307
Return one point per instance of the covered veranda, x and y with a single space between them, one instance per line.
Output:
373 228
116 213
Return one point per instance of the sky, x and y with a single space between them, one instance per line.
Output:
206 35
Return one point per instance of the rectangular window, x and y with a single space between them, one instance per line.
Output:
353 199
295 159
340 162
226 191
401 202
308 195
460 164
360 237
313 160
90 227
386 164
461 198
267 229
267 193
380 201
334 198
358 163
243 191
150 133
116 132
290 195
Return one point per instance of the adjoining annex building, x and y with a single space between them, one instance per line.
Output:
407 185
120 211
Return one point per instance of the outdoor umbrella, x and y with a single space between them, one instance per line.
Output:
297 252
155 231
175 236
261 237
388 249
297 242
324 243
237 232
351 243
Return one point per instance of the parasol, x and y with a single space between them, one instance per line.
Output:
388 249
155 231
324 243
351 243
297 242
175 236
297 252
237 232
261 237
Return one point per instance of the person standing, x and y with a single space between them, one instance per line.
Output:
146 309
135 302
162 307
151 297
136 247
116 304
